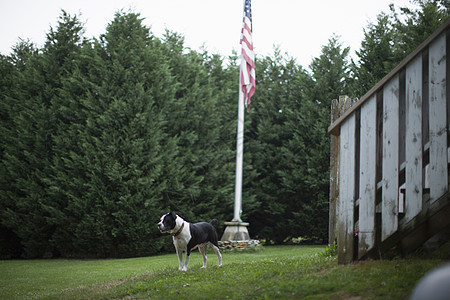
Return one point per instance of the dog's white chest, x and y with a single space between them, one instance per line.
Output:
181 241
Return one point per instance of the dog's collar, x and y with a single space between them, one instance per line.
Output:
179 230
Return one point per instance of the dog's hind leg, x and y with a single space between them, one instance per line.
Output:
202 251
217 250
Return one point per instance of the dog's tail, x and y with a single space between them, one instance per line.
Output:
213 221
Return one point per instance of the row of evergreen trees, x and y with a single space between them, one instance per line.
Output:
100 137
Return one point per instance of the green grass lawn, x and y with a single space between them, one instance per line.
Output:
287 272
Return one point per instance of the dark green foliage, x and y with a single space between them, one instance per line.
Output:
100 137
376 57
275 153
392 37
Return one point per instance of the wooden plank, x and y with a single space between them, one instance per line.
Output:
367 183
338 107
402 120
357 159
401 198
334 128
414 169
389 205
334 177
379 155
438 118
425 102
346 191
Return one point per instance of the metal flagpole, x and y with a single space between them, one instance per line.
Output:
239 157
236 230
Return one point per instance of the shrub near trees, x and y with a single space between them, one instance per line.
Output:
100 137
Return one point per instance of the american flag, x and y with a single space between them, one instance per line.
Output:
247 80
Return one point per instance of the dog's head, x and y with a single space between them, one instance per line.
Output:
167 222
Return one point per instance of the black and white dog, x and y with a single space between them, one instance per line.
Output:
187 236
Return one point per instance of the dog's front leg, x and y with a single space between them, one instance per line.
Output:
186 260
180 259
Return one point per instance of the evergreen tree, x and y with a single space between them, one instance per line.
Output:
330 71
280 84
392 37
63 55
376 56
9 241
306 173
201 187
413 26
30 148
125 148
290 144
69 166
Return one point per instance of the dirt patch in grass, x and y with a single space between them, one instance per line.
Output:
345 296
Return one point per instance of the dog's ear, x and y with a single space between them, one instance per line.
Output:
173 215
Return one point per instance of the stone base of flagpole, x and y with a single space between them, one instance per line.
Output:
236 237
236 231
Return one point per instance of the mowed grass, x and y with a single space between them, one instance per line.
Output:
21 279
47 278
287 272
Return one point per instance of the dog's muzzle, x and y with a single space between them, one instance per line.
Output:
161 228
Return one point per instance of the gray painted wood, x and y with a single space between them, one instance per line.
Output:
414 169
438 119
367 177
346 191
389 205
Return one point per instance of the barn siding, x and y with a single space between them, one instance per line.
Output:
389 207
438 118
367 177
346 191
414 153
393 160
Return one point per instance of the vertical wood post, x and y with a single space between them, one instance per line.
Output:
367 183
334 175
390 165
338 107
346 202
438 119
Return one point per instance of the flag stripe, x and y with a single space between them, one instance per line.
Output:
247 77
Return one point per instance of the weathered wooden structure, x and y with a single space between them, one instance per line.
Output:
390 158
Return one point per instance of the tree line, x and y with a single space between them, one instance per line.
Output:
100 137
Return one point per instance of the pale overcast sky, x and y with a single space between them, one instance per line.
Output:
299 27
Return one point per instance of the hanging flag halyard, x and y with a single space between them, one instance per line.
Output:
247 77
